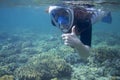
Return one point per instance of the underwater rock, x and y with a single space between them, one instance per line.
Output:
107 57
22 58
7 77
27 73
47 45
115 78
40 59
84 72
54 79
110 38
65 50
27 44
43 67
104 53
52 38
8 46
73 58
10 49
29 51
103 63
3 36
8 69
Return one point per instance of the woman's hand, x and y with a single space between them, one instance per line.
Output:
71 39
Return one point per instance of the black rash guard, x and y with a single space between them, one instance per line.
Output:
85 29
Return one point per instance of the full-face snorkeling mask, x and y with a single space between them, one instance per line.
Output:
62 17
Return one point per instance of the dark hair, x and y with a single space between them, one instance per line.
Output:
81 13
82 19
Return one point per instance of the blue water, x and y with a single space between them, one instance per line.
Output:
113 27
22 18
36 19
27 19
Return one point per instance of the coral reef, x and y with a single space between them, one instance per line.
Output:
7 77
73 58
84 72
108 57
64 51
110 39
104 61
104 64
44 57
43 67
8 69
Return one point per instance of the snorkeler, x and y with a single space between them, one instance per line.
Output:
76 24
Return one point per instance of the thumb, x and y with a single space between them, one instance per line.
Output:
73 30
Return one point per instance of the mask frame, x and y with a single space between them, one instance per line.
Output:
64 28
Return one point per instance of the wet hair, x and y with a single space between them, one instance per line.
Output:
81 13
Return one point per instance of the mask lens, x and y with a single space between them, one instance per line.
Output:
62 18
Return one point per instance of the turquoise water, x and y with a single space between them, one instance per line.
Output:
32 49
25 18
36 18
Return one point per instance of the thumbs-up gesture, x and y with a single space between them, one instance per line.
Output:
71 39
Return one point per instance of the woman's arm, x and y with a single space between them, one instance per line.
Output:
72 40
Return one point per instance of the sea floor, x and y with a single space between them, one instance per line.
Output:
30 56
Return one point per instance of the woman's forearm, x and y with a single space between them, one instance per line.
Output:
83 50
